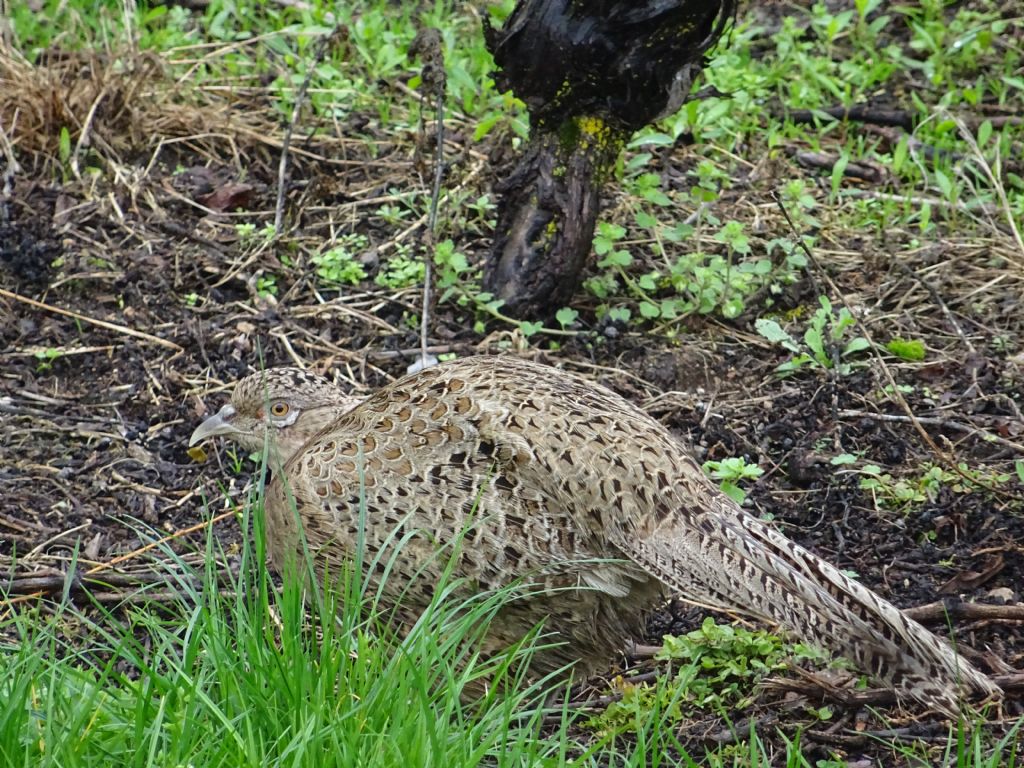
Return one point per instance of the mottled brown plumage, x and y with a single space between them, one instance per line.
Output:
567 486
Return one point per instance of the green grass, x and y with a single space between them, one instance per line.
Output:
244 673
244 676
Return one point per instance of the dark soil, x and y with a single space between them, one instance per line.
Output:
95 418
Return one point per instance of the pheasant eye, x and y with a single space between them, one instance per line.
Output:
279 409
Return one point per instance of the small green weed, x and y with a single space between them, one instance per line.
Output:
393 215
721 665
266 285
237 459
684 283
401 271
249 234
566 317
823 344
730 472
339 265
452 269
904 493
46 358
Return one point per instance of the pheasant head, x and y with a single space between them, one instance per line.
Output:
282 407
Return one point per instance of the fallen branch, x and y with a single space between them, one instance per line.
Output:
125 557
813 686
932 421
934 732
941 611
900 118
865 171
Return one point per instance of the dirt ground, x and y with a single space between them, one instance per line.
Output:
128 308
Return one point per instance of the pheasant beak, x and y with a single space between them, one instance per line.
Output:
218 424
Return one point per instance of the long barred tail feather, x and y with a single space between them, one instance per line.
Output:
737 560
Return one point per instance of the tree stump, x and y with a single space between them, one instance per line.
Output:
590 74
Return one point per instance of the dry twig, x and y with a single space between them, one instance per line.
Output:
92 320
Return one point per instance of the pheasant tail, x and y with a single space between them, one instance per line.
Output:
740 561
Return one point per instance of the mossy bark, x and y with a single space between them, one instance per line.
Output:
547 213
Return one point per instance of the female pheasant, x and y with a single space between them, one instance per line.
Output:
554 481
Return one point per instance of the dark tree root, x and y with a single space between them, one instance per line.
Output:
546 218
